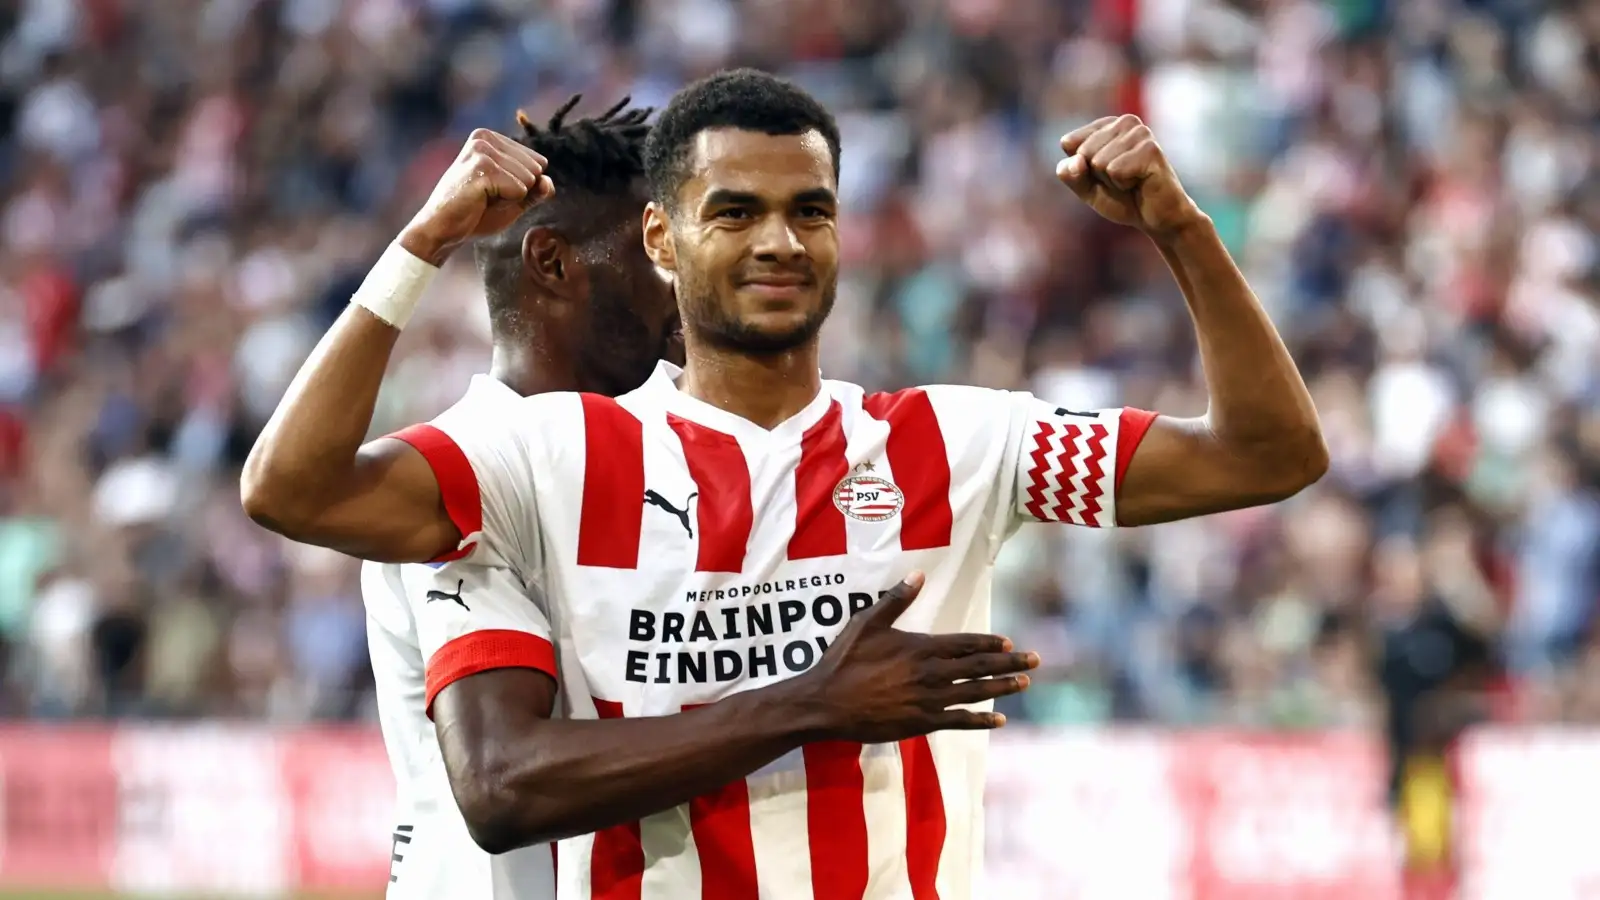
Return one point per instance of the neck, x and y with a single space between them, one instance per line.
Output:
763 388
530 370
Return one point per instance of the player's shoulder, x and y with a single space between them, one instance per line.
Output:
490 408
953 405
879 403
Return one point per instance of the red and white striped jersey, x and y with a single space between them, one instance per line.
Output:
417 617
685 554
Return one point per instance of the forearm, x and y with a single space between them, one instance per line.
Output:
572 777
1257 397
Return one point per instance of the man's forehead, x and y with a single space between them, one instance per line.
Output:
754 162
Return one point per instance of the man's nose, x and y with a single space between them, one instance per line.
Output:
776 240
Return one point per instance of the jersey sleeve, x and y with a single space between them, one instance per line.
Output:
474 618
1067 465
485 477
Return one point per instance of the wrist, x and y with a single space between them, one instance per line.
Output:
417 241
798 709
395 285
1186 229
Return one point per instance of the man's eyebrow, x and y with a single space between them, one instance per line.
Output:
816 195
727 197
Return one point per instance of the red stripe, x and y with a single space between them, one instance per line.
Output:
723 513
480 651
818 523
458 484
1130 432
925 825
920 464
724 841
613 485
616 864
836 820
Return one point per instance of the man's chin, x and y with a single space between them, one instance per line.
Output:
773 332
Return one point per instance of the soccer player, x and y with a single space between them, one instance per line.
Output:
707 538
574 305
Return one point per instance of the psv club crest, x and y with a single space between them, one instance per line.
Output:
868 497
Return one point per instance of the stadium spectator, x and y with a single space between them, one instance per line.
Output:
193 189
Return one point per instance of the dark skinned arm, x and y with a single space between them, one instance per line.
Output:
308 477
1259 441
521 777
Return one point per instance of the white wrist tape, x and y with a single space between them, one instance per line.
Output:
391 290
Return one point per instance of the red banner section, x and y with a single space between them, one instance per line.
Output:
59 797
1076 815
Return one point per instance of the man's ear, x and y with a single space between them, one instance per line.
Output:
550 262
658 238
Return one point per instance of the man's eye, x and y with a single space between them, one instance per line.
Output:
733 212
814 212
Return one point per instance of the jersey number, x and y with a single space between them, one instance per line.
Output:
402 835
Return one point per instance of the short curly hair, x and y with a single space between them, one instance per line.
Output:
591 161
746 99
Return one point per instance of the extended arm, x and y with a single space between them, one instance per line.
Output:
1260 440
308 477
521 777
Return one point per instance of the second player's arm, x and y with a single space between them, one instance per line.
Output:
309 477
521 777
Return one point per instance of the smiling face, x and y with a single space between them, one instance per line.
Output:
752 239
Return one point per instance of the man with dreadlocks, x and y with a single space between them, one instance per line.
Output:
574 305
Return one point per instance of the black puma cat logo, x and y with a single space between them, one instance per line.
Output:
441 595
655 499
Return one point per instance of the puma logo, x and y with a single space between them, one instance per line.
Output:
441 595
654 499
1063 411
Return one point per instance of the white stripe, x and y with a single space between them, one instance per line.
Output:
779 831
868 440
884 802
671 862
960 758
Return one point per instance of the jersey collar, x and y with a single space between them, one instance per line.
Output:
662 388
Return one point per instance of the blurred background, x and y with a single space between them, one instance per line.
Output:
1382 687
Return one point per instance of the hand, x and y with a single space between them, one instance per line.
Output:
1115 165
492 182
878 684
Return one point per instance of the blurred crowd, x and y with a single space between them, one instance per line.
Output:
193 188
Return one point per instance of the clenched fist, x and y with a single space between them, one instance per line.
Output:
1115 165
491 183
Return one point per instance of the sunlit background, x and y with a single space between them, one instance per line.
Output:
1384 688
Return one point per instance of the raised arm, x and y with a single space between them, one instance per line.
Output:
521 777
1259 441
309 477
